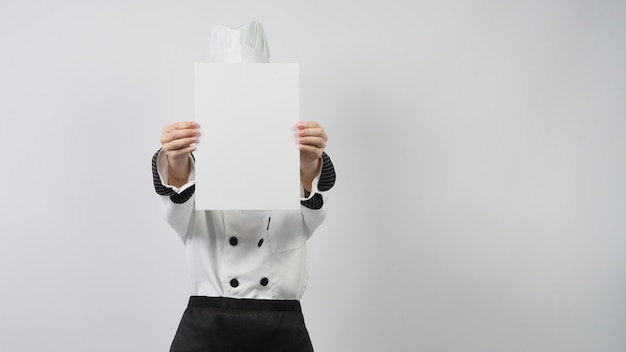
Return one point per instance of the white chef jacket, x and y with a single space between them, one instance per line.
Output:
243 253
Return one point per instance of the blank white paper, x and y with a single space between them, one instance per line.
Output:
247 156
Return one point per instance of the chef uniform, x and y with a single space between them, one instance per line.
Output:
248 269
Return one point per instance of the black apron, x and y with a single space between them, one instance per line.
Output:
219 324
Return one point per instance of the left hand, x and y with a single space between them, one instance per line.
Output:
312 139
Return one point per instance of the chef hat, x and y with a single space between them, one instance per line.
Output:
246 43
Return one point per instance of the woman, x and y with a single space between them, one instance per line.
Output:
248 269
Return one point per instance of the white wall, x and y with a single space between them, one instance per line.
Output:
479 147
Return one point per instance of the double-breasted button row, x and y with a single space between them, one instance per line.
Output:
234 241
264 282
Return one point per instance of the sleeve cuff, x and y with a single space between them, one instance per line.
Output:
323 182
159 173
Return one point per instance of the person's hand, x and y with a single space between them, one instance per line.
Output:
177 141
312 139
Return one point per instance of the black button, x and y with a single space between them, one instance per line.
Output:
234 282
260 242
233 241
264 281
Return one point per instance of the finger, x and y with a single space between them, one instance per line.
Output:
179 144
173 135
317 142
181 152
307 124
315 132
182 125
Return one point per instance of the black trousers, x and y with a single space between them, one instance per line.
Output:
219 324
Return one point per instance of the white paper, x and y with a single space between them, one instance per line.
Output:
247 157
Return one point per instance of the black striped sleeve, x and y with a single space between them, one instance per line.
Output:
325 183
160 189
327 176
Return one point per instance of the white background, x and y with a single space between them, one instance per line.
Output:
480 201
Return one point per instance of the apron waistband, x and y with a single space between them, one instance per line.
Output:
244 304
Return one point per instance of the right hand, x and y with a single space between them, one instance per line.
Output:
177 139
